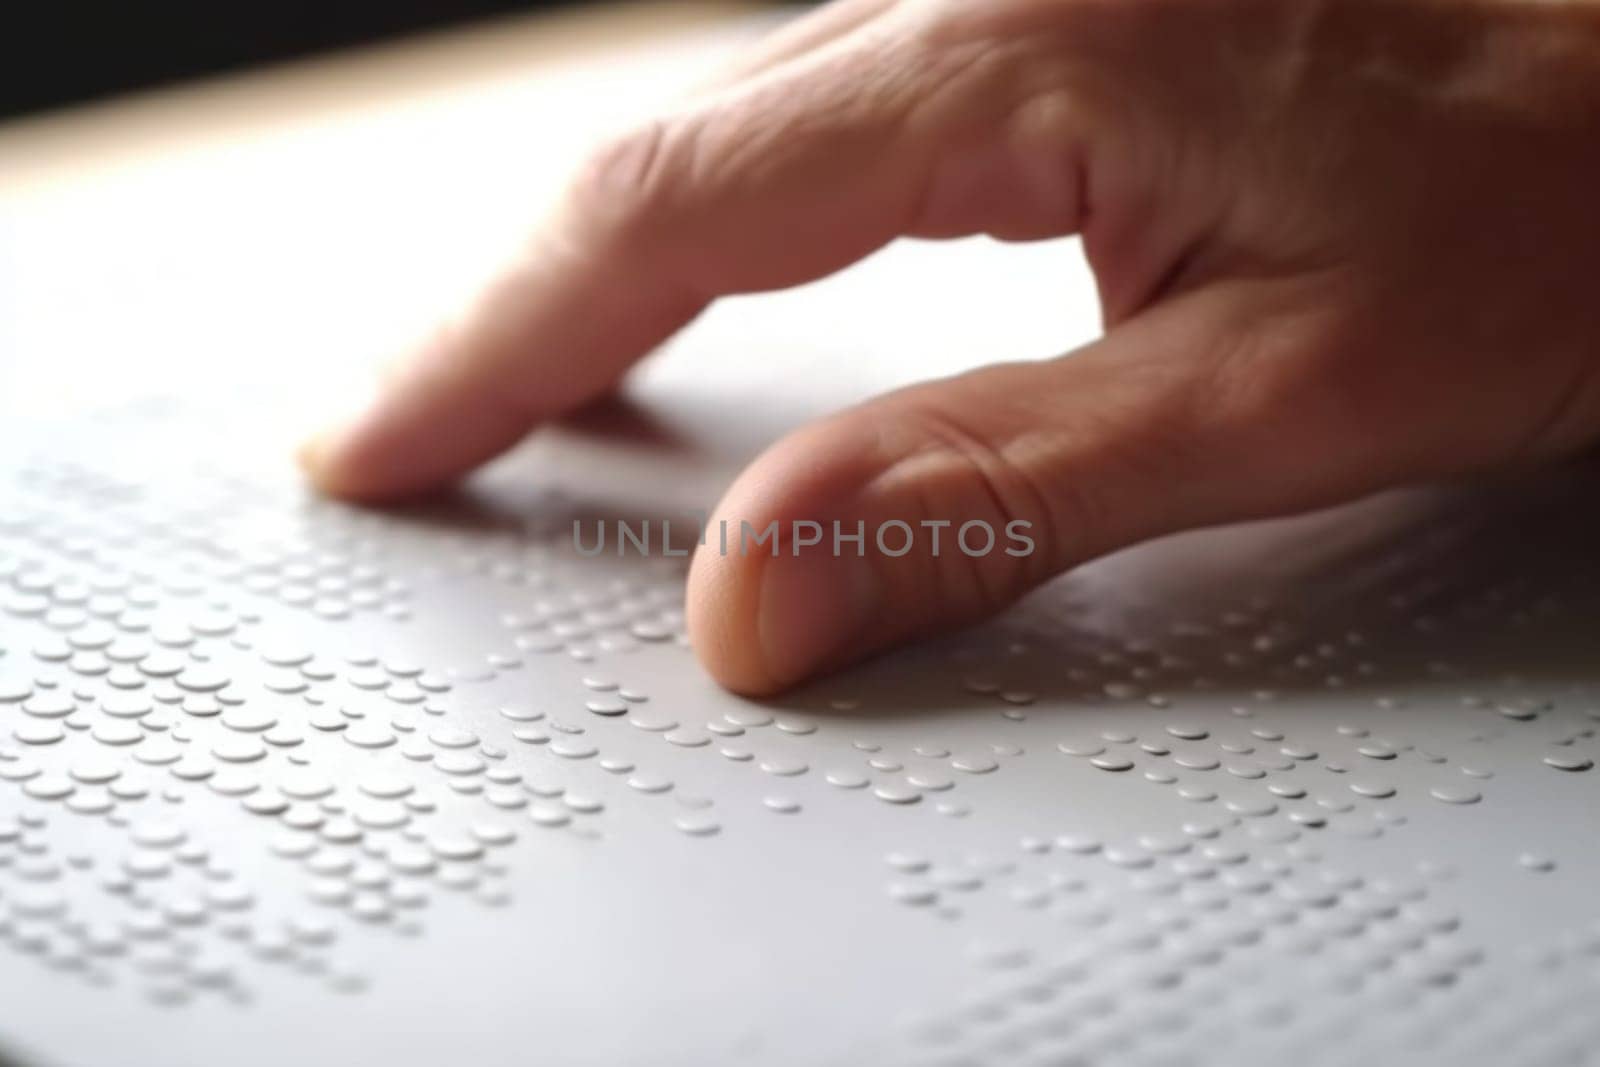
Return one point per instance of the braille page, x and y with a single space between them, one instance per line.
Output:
284 781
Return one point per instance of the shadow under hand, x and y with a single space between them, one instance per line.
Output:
1462 588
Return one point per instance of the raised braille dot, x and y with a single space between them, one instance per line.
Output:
654 723
697 825
248 720
1455 794
547 816
369 734
572 748
202 678
242 749
517 713
38 732
265 803
607 706
202 705
784 767
127 705
458 763
1112 763
686 738
446 736
116 732
1079 844
49 705
649 783
1523 710
96 770
49 787
896 794
974 764
1566 761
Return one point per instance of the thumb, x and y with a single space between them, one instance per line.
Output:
1208 407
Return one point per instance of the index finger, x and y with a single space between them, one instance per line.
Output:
775 181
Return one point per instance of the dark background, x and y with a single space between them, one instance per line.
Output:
56 52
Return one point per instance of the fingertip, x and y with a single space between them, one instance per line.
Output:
765 611
326 460
720 614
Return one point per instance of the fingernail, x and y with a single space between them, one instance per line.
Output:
813 606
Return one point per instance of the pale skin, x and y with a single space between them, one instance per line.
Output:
1340 245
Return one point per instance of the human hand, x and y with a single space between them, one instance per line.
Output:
1340 245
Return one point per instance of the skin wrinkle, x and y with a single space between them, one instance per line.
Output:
1004 485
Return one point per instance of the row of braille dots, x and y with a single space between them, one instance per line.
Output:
617 619
241 746
156 938
1202 863
1163 653
1012 699
318 569
570 742
389 801
292 795
561 738
410 685
369 859
1208 871
101 599
97 784
1195 990
108 540
735 736
331 583
1348 933
1180 743
1138 668
369 894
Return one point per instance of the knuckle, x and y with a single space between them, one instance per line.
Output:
959 475
622 185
